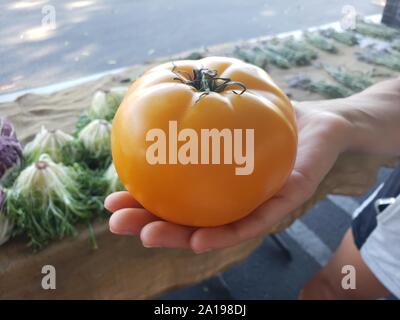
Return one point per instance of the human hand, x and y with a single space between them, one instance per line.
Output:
322 134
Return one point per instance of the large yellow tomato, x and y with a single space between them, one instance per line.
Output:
183 100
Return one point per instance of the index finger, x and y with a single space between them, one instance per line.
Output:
120 200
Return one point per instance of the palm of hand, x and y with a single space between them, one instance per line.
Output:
320 142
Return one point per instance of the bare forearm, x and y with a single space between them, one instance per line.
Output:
374 118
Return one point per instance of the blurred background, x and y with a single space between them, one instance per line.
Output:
94 36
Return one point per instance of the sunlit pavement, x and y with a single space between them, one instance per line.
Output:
92 36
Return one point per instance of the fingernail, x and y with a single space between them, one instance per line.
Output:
146 245
203 251
122 232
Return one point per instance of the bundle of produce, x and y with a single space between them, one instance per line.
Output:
112 179
194 56
48 198
276 59
396 45
354 80
47 141
91 146
379 57
320 42
295 57
375 30
262 57
10 150
252 56
63 180
373 73
6 225
103 106
393 52
10 163
300 46
345 37
322 87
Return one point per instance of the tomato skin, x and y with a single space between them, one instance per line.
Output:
204 195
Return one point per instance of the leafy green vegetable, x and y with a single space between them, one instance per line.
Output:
104 106
329 90
295 57
105 103
194 56
10 150
273 58
48 198
396 45
345 37
356 81
91 147
322 87
96 137
394 53
320 42
83 120
99 107
380 57
375 30
301 46
262 57
114 184
6 225
94 187
47 141
373 73
251 56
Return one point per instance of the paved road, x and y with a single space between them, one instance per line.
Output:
92 36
